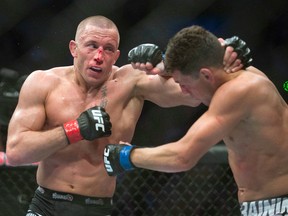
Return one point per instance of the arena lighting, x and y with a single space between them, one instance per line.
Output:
285 86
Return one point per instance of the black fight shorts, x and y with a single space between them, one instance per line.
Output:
52 203
268 207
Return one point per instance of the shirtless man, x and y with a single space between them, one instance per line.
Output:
62 121
245 110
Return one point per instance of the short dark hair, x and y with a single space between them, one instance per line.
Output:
191 49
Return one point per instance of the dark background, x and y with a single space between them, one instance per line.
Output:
34 34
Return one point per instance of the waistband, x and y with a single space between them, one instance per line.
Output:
272 206
69 197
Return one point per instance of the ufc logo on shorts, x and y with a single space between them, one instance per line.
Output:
97 115
106 161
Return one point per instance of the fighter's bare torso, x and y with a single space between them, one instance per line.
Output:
79 168
257 146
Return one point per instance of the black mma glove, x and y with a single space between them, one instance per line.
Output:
145 53
117 158
91 124
240 47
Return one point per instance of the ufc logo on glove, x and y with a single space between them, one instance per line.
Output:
91 124
106 161
97 115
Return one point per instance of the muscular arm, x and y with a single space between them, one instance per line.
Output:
163 91
222 116
161 88
27 140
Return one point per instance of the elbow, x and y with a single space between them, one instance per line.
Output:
13 157
185 162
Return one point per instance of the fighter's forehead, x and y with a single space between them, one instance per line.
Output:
90 32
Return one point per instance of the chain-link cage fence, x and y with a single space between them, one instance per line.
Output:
207 189
17 186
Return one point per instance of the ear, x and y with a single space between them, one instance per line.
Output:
72 48
207 75
117 54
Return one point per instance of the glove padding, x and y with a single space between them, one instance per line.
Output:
94 123
91 124
145 53
117 158
242 50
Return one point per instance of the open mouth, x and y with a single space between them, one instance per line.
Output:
96 69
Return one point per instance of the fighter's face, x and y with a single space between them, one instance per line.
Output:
96 52
196 87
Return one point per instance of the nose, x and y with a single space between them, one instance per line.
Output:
99 55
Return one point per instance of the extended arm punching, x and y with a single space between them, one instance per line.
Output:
117 157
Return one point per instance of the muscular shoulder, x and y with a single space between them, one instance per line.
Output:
244 91
127 72
131 77
44 77
55 73
246 83
40 82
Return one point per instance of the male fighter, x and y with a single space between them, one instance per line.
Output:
245 110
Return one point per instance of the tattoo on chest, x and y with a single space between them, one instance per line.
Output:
103 92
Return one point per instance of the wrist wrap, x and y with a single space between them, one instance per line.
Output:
72 131
124 158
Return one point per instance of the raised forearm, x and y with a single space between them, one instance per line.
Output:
32 146
164 158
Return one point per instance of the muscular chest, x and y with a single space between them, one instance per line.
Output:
67 102
242 137
251 135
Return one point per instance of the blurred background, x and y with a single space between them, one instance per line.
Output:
34 34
